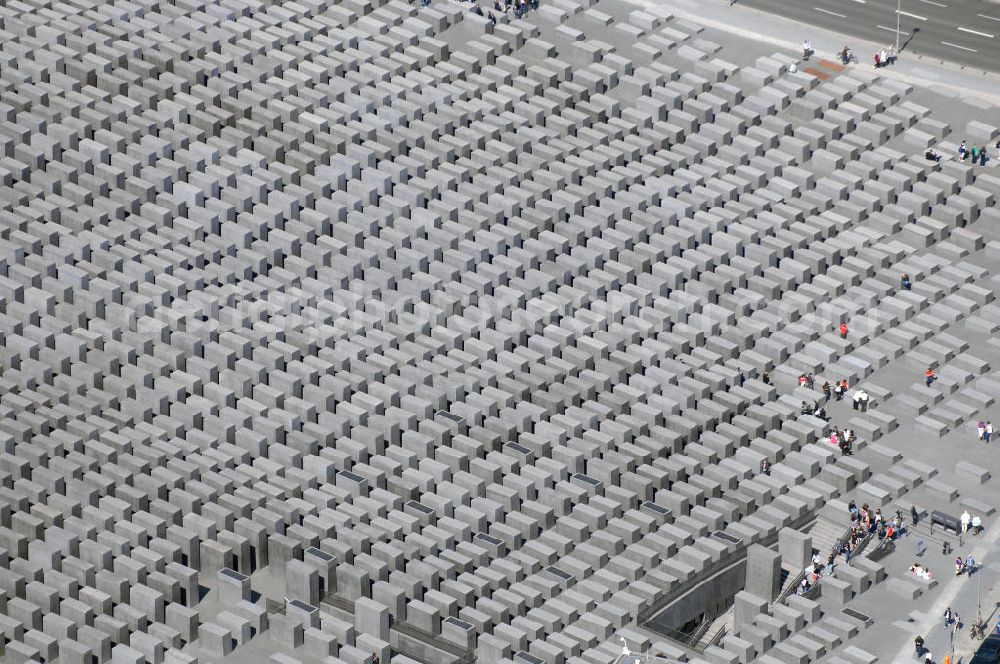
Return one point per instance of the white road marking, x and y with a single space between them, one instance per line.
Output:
976 32
905 34
992 18
916 16
827 11
861 1
936 4
964 48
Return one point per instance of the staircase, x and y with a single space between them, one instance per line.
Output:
710 635
825 534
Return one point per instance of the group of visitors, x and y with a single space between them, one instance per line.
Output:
813 573
860 400
970 522
837 390
885 56
844 440
984 430
865 521
976 152
966 566
814 409
519 7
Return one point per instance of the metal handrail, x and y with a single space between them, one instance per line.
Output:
790 588
716 638
700 632
435 640
860 548
462 655
797 581
726 561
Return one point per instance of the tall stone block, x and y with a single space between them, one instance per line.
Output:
763 572
302 581
370 617
746 606
233 586
795 548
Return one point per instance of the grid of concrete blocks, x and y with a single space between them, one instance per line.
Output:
333 329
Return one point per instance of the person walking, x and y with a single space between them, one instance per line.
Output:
864 401
965 519
929 376
982 157
919 644
904 281
988 433
947 617
374 659
843 330
856 400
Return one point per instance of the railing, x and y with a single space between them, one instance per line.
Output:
726 561
461 655
716 638
692 639
797 581
790 588
882 549
700 632
862 545
676 591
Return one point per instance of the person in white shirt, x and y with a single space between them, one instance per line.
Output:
965 519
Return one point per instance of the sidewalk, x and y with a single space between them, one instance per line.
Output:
944 78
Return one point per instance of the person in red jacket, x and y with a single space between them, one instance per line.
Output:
843 330
929 376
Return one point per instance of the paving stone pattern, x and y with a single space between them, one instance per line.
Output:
332 328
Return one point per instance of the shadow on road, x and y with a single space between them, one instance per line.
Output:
909 39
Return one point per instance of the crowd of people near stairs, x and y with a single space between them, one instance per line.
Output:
518 8
864 523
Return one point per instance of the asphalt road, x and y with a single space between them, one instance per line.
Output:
966 32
